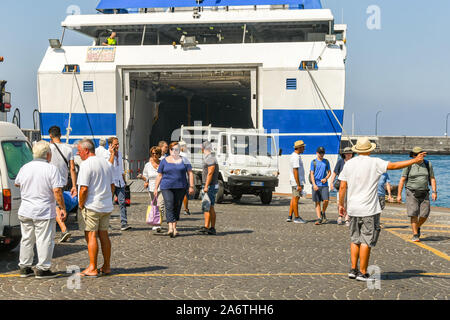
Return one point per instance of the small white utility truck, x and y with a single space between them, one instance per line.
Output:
248 160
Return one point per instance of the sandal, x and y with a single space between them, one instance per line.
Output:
102 273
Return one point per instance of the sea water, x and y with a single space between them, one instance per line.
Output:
441 168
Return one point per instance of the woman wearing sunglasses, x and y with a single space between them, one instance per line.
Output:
149 175
172 179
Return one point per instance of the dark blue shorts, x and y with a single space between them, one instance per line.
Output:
320 195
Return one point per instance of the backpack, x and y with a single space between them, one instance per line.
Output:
315 165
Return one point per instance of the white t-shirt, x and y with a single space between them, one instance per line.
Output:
150 173
96 174
362 174
296 162
59 162
102 152
37 179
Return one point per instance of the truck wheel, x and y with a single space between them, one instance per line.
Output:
266 196
220 193
10 246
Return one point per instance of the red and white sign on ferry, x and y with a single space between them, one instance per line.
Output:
101 54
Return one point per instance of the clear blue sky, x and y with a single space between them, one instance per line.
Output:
403 69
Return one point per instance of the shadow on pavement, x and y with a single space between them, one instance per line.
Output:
435 239
136 270
407 274
61 250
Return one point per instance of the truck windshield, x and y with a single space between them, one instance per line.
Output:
17 153
253 145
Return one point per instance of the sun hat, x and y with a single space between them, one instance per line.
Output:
363 145
299 143
415 151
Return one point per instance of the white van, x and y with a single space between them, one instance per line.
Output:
248 160
15 151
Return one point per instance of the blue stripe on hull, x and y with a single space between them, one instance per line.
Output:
103 124
330 143
304 121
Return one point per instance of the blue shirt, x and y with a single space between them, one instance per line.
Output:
383 180
174 175
322 168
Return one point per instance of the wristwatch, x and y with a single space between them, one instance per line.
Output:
434 192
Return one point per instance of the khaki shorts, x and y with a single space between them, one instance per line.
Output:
295 192
93 221
365 230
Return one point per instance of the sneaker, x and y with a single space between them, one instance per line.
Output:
324 217
363 277
347 223
299 220
318 222
415 238
26 272
212 231
353 273
157 229
418 232
187 212
339 221
289 219
203 230
65 236
125 227
45 274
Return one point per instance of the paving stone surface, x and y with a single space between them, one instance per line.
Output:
255 255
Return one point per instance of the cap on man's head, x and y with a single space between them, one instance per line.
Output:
415 151
299 144
320 150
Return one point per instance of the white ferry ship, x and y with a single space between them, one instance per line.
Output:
277 65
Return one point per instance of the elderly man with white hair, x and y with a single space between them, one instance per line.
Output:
101 150
40 184
96 187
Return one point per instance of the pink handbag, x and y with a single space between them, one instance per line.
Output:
153 217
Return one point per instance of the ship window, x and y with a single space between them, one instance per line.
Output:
71 68
308 65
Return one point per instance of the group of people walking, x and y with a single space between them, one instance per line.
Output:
169 180
360 182
51 187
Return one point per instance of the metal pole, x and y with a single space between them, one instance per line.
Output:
353 124
446 125
376 123
245 30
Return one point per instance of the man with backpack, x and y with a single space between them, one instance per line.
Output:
320 172
416 180
63 159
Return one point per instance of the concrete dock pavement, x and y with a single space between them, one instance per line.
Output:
255 255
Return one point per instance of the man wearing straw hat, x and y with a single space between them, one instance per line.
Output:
359 179
297 180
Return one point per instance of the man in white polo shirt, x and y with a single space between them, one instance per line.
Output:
40 184
359 179
96 187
